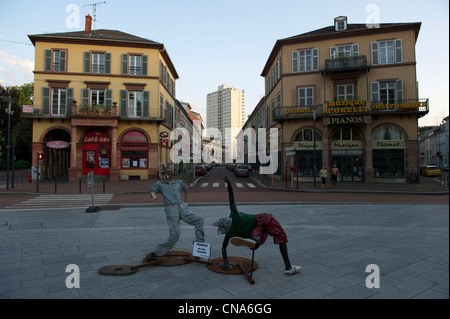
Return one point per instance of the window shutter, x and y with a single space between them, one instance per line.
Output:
333 52
374 92
165 75
374 52
48 60
315 54
84 96
355 49
108 99
87 62
144 64
294 61
46 100
146 108
108 63
123 101
398 51
399 91
62 60
124 64
69 99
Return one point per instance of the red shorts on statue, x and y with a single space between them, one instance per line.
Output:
265 225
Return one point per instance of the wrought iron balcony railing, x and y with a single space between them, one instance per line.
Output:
346 64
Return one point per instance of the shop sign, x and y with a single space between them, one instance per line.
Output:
57 144
304 146
346 145
96 137
163 134
27 108
164 141
347 103
350 109
298 110
346 120
393 106
388 144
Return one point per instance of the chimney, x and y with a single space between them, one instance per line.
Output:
87 30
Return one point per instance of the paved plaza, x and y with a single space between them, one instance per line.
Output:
334 243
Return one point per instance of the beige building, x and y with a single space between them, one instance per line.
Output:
225 110
357 87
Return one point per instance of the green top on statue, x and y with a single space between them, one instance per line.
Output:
242 225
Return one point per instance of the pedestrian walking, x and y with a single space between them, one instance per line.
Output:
334 175
323 176
176 209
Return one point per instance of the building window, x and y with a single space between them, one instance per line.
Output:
306 135
134 151
305 60
343 51
135 102
55 60
388 133
58 102
387 52
387 92
135 65
346 134
305 96
344 92
97 97
98 63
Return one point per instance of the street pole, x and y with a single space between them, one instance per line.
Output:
314 143
8 146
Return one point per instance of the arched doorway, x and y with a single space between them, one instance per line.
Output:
56 160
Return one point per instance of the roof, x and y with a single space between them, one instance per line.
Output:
353 29
105 37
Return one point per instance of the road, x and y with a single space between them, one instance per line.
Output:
333 242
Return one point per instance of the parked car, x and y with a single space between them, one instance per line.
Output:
432 170
242 170
199 171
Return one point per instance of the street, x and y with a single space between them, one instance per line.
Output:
333 242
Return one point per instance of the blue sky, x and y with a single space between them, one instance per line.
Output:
226 42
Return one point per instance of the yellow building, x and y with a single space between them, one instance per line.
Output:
359 83
110 96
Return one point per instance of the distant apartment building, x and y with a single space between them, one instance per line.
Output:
225 111
433 145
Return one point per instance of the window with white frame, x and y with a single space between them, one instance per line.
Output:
98 63
135 103
97 97
387 52
305 60
342 51
58 101
135 64
387 92
305 96
344 92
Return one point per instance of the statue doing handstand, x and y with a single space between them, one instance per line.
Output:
251 231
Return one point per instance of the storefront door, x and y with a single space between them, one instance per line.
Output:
96 153
350 166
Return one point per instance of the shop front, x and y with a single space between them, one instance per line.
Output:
96 152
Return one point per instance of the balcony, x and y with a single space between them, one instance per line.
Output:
346 64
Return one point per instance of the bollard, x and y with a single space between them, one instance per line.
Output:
56 186
103 186
79 186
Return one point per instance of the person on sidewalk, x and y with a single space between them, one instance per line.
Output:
334 175
251 231
323 175
175 209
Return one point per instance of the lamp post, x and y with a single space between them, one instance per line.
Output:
8 100
314 142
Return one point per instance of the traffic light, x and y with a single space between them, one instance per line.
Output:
40 156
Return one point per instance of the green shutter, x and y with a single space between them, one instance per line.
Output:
146 109
45 101
87 62
398 51
124 64
48 60
144 64
84 96
62 60
108 63
69 99
108 99
123 103
374 52
374 92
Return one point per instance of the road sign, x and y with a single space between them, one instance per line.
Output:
290 153
291 148
90 179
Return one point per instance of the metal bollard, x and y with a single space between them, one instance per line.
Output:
56 186
79 186
103 186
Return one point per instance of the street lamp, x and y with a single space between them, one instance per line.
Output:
314 141
8 100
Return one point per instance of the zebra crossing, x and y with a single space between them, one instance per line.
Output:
217 185
61 201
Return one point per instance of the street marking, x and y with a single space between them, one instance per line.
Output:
204 185
216 185
62 201
239 185
251 185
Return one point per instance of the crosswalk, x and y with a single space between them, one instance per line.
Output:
218 185
61 201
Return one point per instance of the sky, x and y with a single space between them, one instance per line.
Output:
228 42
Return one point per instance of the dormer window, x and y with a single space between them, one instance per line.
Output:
340 23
